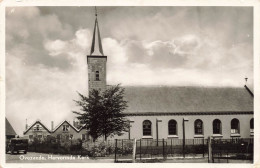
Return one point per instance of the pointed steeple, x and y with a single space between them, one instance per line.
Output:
96 47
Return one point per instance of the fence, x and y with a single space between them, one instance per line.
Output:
123 150
163 148
225 150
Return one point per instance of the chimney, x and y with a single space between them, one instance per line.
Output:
26 125
52 125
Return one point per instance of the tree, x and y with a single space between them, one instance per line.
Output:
102 112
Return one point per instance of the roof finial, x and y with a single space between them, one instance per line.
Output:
246 79
95 11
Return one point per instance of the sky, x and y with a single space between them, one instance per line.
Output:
46 50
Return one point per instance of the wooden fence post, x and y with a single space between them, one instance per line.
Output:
134 150
209 150
115 150
163 149
140 149
203 149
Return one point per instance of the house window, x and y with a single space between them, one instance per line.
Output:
252 125
216 126
30 136
83 137
59 136
97 75
65 128
147 128
172 127
198 125
37 127
39 136
234 126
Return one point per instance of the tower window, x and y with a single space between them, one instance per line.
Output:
97 75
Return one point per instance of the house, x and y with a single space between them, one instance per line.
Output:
9 130
36 130
68 131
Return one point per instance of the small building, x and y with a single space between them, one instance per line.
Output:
67 131
9 130
36 130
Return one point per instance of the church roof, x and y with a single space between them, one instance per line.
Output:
166 99
9 130
96 46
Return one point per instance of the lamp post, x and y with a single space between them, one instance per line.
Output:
157 133
129 131
183 128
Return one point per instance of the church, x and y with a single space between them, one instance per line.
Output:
157 112
164 111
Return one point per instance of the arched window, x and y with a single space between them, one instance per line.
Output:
252 125
172 127
198 125
234 126
147 128
97 75
216 126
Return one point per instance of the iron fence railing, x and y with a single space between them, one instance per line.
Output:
149 148
224 150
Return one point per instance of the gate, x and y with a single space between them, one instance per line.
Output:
226 150
150 148
123 150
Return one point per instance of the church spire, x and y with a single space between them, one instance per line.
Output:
96 47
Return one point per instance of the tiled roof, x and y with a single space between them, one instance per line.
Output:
187 99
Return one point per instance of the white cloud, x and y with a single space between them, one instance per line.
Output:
55 47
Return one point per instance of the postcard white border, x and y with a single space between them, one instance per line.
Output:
249 3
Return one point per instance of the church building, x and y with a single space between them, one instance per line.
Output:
169 111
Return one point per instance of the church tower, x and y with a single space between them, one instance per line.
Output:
96 62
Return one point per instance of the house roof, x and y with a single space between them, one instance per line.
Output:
37 122
65 121
165 99
9 130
